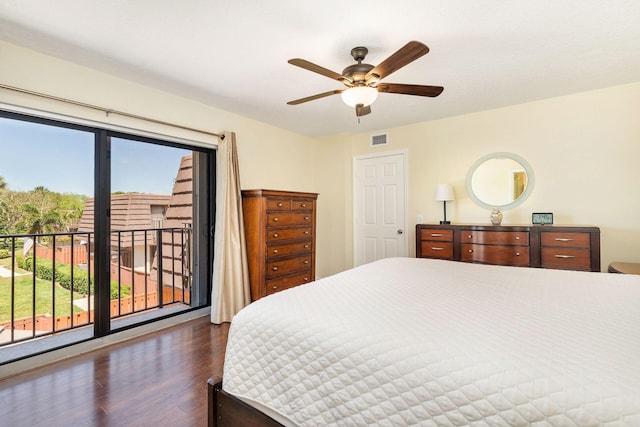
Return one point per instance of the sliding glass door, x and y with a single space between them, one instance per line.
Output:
46 177
152 215
99 228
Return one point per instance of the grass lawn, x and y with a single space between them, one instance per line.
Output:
5 262
24 295
24 298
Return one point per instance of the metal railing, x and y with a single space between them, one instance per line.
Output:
47 283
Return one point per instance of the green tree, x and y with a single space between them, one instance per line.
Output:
10 211
40 212
37 211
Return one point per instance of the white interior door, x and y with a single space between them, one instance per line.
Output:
379 207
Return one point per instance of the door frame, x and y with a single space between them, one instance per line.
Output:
405 163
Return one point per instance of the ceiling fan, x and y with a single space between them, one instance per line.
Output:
362 81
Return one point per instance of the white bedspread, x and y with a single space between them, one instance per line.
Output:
408 341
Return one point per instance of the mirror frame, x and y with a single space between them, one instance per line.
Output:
524 196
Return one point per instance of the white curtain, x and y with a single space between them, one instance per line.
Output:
230 290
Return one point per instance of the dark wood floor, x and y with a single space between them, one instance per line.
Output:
159 379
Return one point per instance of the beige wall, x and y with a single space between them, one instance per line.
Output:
269 156
584 150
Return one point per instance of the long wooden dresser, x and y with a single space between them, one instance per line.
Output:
280 228
544 246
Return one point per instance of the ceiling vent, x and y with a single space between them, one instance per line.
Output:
381 139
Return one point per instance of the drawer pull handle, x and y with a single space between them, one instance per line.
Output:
565 256
560 239
517 237
436 234
306 232
470 236
279 205
306 261
304 205
306 246
275 268
275 251
437 249
306 218
275 235
306 279
517 253
275 219
274 287
470 251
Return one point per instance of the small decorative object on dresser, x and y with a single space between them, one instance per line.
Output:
496 217
542 218
280 228
548 246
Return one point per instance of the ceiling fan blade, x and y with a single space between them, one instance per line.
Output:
312 97
418 90
405 55
362 110
302 63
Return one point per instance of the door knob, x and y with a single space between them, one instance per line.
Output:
399 231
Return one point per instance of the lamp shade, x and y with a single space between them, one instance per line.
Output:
444 193
364 95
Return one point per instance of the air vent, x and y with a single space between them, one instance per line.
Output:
381 139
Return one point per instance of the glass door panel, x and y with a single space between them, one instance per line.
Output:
151 230
46 179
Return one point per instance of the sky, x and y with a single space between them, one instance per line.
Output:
62 160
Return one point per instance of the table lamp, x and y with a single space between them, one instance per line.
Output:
444 193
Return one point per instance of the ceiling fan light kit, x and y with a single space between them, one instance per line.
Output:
363 95
362 81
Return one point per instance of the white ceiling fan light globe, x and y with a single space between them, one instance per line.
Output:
364 95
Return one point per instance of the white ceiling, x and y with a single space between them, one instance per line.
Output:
232 54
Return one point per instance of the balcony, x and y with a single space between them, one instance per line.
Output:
47 281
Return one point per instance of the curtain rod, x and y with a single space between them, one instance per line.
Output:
107 110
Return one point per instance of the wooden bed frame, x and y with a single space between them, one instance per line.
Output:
225 410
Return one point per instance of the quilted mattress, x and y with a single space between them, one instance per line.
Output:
407 341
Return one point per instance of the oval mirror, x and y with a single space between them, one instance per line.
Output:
500 181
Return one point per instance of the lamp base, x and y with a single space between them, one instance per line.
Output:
445 222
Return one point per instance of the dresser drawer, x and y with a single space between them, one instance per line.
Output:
274 251
282 234
569 258
501 255
282 283
302 205
518 238
286 266
559 239
435 249
278 204
437 235
284 219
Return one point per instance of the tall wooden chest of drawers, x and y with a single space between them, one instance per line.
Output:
569 248
280 228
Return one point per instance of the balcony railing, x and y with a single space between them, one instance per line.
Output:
47 283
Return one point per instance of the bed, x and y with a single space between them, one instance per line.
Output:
406 341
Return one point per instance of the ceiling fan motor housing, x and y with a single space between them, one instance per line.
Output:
357 72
